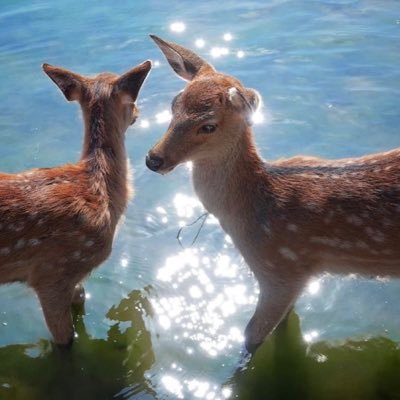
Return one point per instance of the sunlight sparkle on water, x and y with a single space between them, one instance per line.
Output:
195 292
240 54
258 117
161 210
164 321
228 37
200 313
163 117
144 123
124 261
177 27
314 287
172 385
219 51
310 336
200 43
186 205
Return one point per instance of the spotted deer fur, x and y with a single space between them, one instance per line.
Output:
57 224
290 219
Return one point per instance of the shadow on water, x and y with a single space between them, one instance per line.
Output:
92 368
286 367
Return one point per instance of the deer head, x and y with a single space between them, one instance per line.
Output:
209 115
115 95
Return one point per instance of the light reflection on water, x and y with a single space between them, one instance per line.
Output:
205 292
316 65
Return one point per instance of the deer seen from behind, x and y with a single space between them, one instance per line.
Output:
57 224
290 219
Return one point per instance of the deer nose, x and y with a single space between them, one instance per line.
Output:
154 162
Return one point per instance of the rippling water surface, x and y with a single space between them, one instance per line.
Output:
166 322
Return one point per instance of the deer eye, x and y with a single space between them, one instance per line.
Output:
207 129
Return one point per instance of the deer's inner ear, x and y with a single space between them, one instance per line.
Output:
129 84
68 82
186 63
254 98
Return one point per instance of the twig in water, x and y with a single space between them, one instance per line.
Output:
202 216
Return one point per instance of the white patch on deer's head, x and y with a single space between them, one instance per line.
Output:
232 92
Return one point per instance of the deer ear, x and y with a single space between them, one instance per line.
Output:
68 82
254 98
131 81
183 61
247 101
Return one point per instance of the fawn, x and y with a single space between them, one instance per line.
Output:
57 224
290 219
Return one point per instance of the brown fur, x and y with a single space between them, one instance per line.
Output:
290 219
57 224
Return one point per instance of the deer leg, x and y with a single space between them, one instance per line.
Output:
56 304
274 302
79 295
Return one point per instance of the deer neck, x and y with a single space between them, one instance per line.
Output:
227 185
105 157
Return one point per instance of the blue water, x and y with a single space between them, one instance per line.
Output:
163 322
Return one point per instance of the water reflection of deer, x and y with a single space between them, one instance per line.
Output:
92 369
286 367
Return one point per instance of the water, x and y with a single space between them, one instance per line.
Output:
162 322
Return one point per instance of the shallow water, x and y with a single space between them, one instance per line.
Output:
163 322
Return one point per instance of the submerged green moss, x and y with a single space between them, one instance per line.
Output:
286 367
91 369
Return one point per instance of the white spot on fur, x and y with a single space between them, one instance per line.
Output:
354 220
332 242
292 228
4 251
20 244
361 245
266 229
19 226
76 254
379 237
33 242
288 254
89 243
